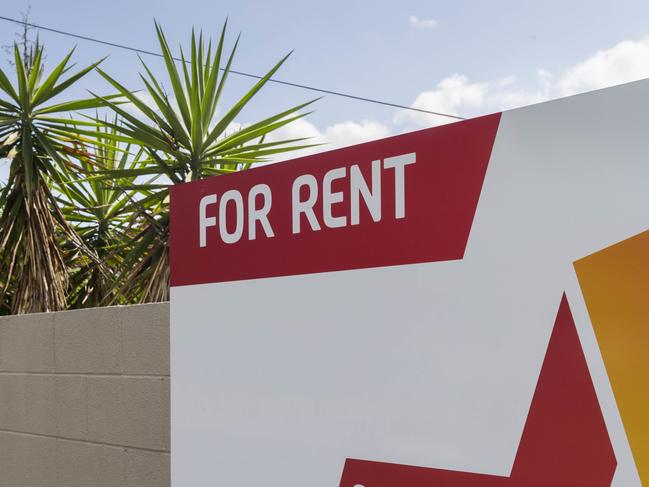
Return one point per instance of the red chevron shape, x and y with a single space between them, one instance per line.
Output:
565 442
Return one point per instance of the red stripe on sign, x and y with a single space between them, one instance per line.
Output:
565 442
401 200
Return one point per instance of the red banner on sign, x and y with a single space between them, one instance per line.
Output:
401 200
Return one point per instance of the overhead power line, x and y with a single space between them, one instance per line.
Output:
240 73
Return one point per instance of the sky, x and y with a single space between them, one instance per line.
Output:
463 57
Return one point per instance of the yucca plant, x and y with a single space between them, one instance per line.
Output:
34 135
105 214
186 141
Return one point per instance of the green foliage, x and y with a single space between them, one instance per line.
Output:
102 213
185 141
84 216
33 267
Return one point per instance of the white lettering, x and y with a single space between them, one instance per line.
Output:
398 163
205 221
259 214
305 207
358 186
330 198
231 237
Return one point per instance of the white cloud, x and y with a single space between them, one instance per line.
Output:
422 23
458 95
499 99
624 62
334 136
349 132
298 129
453 95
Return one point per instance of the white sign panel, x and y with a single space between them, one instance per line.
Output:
436 308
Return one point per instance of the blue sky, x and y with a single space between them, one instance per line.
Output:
464 57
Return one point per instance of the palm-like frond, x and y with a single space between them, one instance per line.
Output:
103 212
33 273
185 140
183 128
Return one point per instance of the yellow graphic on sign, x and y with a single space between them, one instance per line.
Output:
615 285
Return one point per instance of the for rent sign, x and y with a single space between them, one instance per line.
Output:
400 200
256 213
436 308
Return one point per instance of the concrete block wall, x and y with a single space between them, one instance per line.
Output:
84 398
